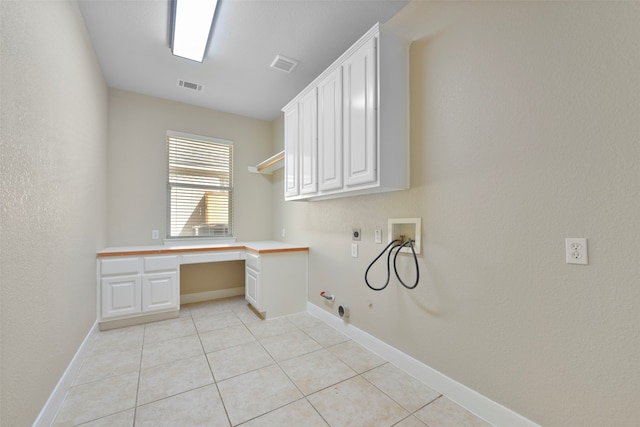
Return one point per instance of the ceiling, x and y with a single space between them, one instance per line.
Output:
131 40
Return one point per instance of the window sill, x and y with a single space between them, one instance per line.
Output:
177 241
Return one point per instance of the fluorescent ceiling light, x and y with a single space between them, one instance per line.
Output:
192 21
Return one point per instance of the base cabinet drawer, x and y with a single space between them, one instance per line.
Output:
161 263
120 296
252 261
119 266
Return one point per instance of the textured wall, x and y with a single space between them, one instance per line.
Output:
53 197
138 165
524 131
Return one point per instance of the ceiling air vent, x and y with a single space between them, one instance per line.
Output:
190 85
283 63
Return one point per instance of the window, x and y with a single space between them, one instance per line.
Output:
200 186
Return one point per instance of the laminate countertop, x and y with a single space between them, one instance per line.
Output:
260 247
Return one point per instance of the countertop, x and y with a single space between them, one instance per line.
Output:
261 247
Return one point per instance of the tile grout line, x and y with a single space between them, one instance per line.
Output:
233 310
304 396
411 413
135 407
213 377
357 374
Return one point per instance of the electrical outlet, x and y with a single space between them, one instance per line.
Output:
576 250
354 250
378 236
155 234
355 234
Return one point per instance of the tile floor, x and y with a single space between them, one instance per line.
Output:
219 364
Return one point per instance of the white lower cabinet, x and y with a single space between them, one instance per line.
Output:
134 286
253 281
120 296
276 283
159 291
138 288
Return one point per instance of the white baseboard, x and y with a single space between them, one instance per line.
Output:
139 320
209 295
471 400
50 409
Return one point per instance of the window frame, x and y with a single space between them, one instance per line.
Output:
170 185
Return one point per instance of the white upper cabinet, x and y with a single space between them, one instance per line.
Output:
359 111
291 162
308 144
360 134
330 169
301 146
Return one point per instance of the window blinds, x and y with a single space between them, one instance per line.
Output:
200 186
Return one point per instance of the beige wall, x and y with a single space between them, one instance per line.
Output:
524 131
53 130
213 276
138 167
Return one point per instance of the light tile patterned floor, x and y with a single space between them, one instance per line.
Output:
219 364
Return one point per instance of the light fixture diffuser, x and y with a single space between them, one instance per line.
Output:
192 21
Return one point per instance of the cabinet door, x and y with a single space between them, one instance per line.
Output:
252 291
120 296
360 128
330 154
308 156
291 139
159 291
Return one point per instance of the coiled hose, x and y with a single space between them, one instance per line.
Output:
398 245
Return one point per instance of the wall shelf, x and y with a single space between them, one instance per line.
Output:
269 165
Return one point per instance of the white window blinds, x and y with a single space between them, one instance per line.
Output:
200 186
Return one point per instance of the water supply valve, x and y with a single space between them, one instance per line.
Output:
405 229
328 297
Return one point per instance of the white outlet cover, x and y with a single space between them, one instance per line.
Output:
576 250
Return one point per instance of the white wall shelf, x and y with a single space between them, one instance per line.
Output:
269 165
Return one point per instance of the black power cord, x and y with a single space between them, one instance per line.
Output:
415 259
398 245
393 243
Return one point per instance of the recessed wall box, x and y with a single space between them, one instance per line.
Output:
403 229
